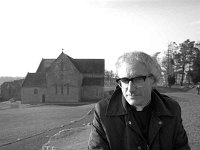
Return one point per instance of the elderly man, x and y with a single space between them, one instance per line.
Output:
137 116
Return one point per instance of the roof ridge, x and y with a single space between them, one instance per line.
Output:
89 59
48 58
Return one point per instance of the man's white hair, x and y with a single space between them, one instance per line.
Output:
137 56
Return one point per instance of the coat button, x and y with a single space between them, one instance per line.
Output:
160 122
129 122
139 148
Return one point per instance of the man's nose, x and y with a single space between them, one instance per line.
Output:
131 86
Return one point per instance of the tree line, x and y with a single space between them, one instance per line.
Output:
109 78
181 63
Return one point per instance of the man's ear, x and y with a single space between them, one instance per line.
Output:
119 84
153 81
154 84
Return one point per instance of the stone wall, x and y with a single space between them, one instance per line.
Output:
63 82
33 95
90 93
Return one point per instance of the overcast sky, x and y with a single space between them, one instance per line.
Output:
104 29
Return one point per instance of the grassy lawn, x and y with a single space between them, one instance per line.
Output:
24 122
49 120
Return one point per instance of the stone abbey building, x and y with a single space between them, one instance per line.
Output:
64 80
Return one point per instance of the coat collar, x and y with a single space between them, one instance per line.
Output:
160 103
117 106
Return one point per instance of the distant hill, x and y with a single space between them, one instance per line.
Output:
6 79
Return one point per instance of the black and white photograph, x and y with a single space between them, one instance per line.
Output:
100 75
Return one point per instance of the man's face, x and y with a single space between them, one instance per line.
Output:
138 92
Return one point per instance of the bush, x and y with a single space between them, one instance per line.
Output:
171 80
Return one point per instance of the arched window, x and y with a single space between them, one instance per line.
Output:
35 91
56 89
67 89
62 89
61 66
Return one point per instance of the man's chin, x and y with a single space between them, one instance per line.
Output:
134 100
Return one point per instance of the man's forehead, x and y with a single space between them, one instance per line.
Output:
131 70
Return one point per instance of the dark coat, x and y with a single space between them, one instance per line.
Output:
114 127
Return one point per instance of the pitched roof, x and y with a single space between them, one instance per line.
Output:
45 64
93 81
93 66
90 65
35 80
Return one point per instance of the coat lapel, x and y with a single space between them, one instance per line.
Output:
154 127
115 105
158 111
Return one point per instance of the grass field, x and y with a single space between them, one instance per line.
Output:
61 126
20 124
